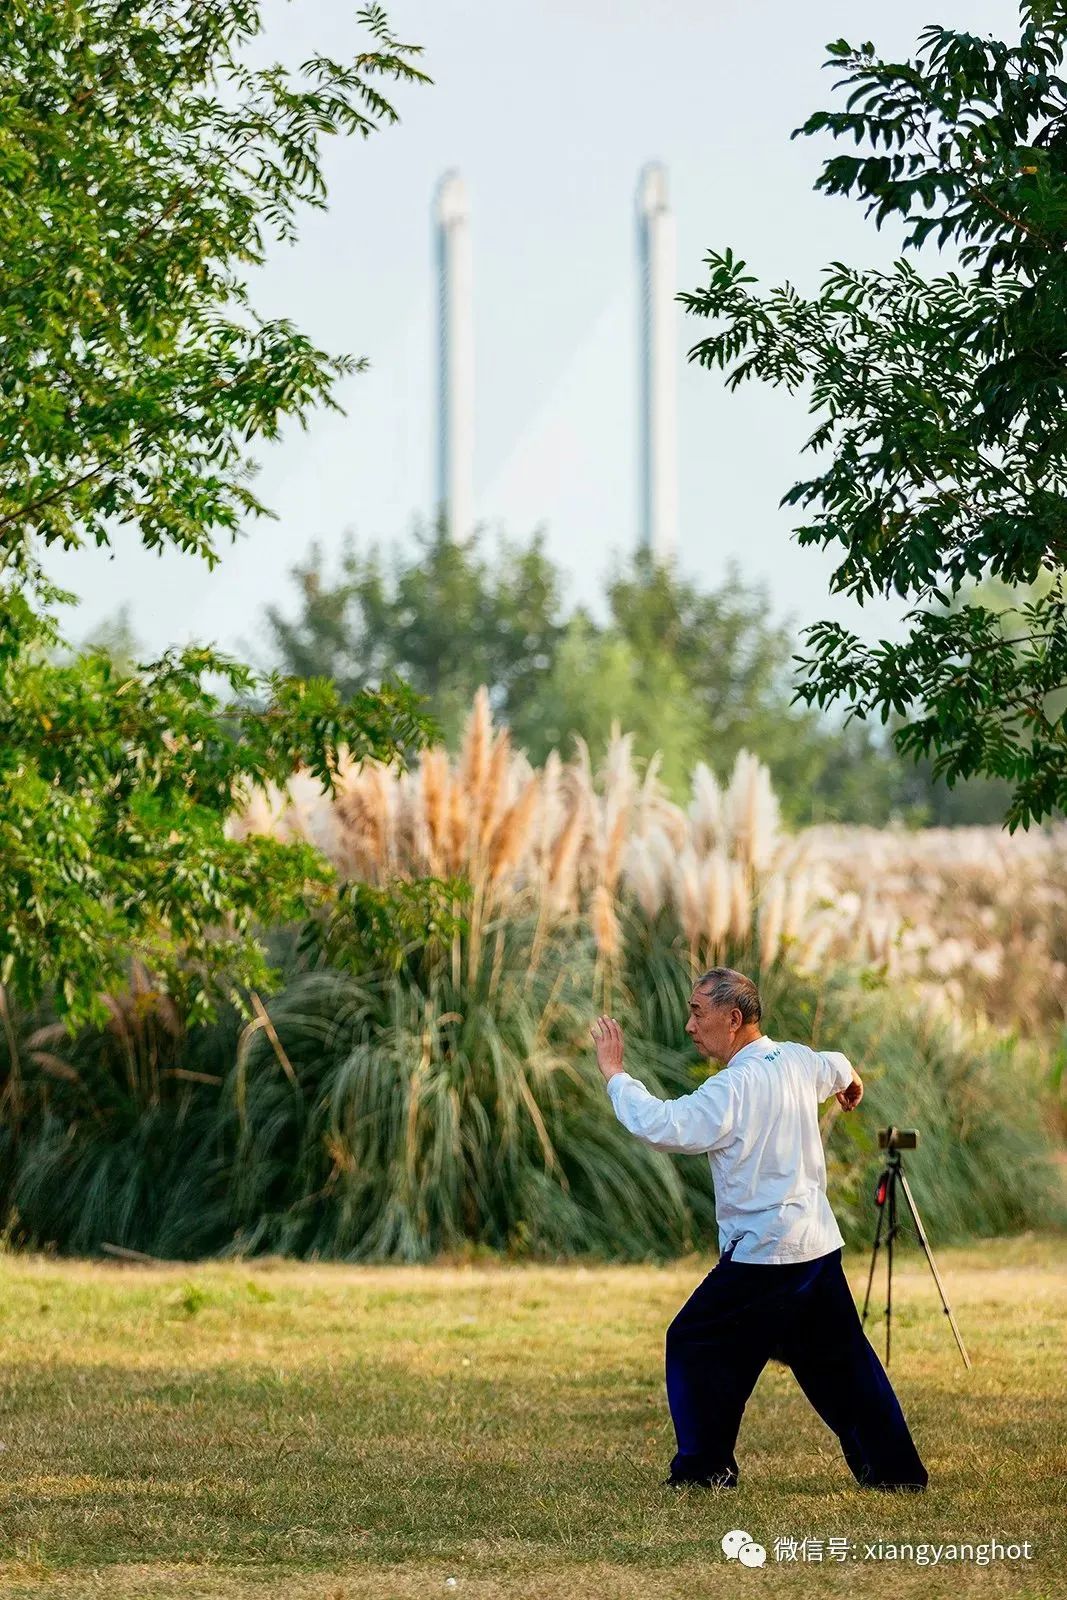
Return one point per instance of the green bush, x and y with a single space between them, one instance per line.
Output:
455 1105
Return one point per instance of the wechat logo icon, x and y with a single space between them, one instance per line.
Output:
739 1546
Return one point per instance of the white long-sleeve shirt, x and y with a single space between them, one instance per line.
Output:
757 1120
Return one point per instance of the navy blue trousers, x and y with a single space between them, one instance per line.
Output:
801 1313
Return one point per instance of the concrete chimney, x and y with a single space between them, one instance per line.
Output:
455 356
658 419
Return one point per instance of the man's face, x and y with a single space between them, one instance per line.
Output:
712 1028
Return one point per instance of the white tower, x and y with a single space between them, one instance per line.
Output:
658 401
455 355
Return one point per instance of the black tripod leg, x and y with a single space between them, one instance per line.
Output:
891 1201
919 1229
877 1241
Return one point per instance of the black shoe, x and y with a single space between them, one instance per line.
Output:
898 1488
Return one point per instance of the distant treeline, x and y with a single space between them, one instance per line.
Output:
694 671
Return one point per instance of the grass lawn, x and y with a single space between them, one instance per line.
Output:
346 1432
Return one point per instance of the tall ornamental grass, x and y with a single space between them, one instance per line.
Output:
455 1104
452 1106
974 916
456 1108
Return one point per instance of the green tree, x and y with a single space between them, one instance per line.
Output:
983 798
939 401
445 616
694 674
698 675
597 678
113 828
735 657
144 167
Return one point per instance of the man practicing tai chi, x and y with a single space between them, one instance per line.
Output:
778 1289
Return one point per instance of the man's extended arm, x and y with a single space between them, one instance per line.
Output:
836 1075
690 1125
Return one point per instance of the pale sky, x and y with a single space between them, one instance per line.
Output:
549 108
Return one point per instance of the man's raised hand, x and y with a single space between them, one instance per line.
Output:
607 1036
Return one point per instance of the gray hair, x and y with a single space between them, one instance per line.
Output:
725 987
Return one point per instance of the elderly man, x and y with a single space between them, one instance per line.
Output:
778 1289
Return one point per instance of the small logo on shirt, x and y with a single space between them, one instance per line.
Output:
775 1053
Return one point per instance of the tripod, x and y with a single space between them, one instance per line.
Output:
885 1198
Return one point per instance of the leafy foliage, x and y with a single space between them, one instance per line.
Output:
939 401
363 927
118 787
693 674
448 1096
455 1102
143 168
446 618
